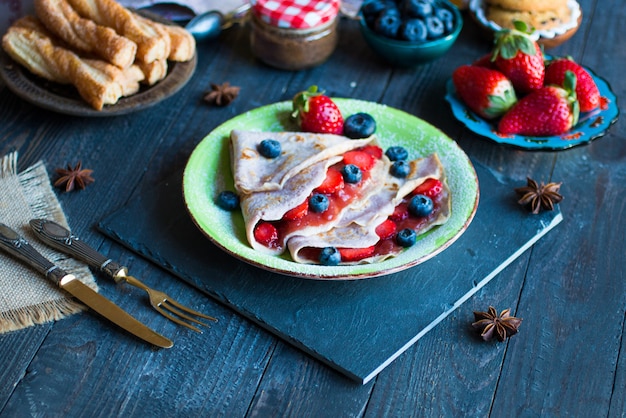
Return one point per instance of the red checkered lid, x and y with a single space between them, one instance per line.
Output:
296 14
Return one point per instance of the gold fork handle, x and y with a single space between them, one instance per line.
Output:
60 238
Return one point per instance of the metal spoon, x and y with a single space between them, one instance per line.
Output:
210 24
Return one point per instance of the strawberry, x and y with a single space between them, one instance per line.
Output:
332 183
386 229
374 150
317 113
487 92
519 58
361 159
356 254
550 110
400 213
298 212
430 187
586 88
265 233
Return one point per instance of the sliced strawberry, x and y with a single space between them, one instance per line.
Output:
265 233
361 159
386 229
298 212
373 150
431 188
356 254
400 213
332 183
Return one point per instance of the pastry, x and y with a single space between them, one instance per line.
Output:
83 34
152 43
538 14
98 82
280 193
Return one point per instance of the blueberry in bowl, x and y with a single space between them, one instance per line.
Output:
407 33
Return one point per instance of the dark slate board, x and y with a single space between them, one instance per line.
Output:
358 327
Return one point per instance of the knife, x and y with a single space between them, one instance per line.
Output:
17 246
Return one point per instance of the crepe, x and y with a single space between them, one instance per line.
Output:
269 188
357 226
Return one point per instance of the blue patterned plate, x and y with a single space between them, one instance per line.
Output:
592 125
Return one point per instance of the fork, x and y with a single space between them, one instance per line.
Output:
63 240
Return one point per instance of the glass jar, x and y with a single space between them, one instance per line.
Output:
294 34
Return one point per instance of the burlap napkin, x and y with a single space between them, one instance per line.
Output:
26 297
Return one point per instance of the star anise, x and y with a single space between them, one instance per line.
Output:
539 196
490 323
222 94
73 177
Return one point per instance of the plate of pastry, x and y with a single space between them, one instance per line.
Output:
101 73
554 21
591 125
355 218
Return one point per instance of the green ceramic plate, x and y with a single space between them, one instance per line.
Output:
208 173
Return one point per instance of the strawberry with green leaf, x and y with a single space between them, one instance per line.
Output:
519 58
316 112
551 110
586 89
485 91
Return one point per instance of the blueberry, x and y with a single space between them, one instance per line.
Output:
330 256
421 205
417 8
413 30
318 203
397 153
406 237
351 173
446 17
435 27
400 169
388 23
359 125
269 148
228 200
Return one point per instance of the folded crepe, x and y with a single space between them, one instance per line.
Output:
358 223
271 187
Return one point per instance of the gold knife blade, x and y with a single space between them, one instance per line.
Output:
17 246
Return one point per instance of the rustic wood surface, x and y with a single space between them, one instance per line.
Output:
570 288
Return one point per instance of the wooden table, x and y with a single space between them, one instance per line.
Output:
570 288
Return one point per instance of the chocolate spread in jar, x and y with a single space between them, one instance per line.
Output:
294 42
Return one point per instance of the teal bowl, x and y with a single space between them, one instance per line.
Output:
409 54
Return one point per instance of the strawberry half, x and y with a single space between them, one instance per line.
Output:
316 112
431 188
298 212
586 88
386 229
550 110
332 183
519 58
361 159
265 233
356 254
487 92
